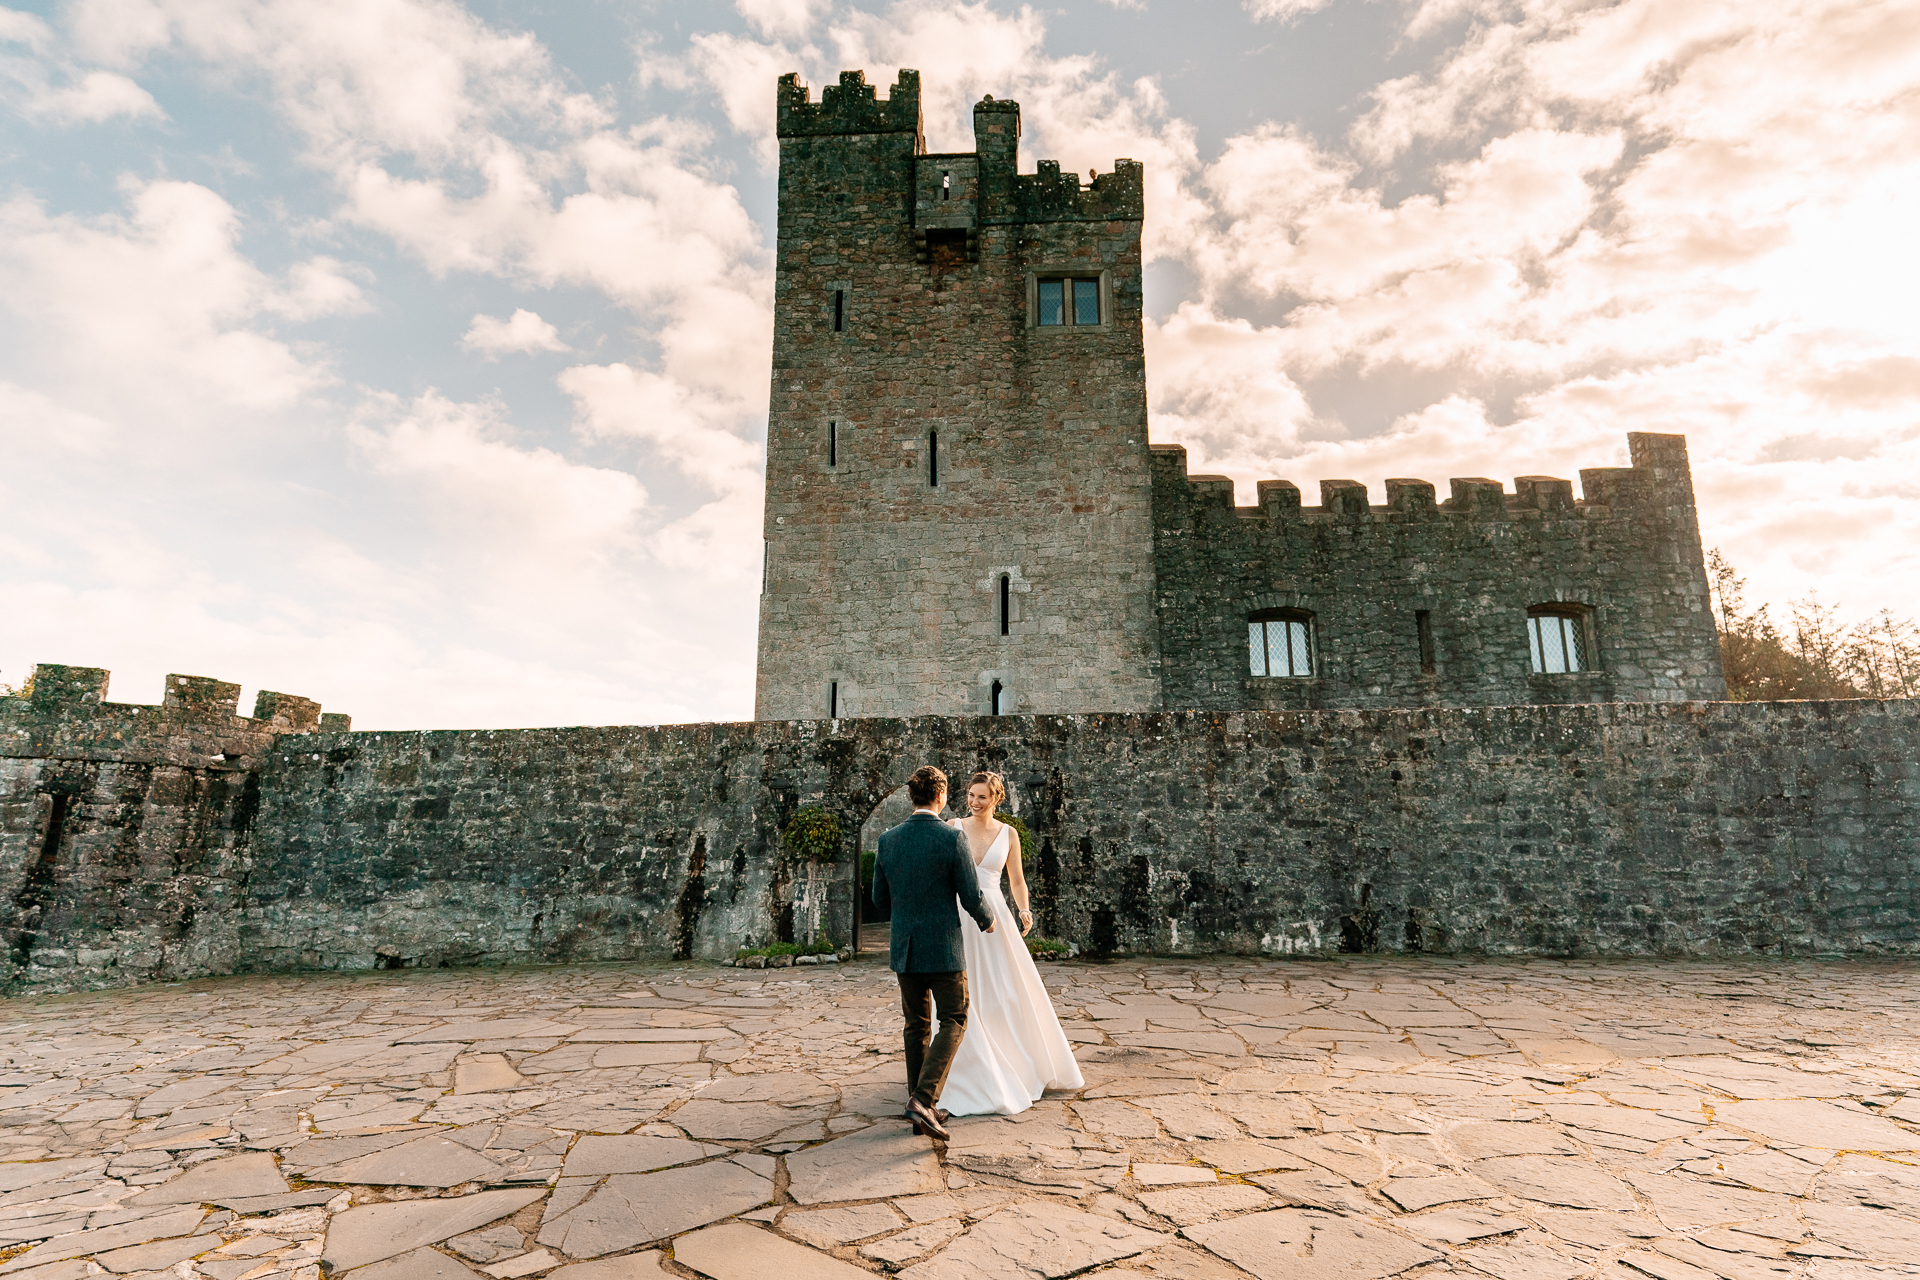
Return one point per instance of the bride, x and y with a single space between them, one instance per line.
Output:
1013 1049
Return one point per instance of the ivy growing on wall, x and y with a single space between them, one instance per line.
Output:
813 834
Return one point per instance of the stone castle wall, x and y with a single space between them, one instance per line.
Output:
1615 829
1628 554
125 829
881 593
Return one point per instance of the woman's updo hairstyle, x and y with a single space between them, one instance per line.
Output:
995 788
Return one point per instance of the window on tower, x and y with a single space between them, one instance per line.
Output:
1069 300
1557 637
1280 642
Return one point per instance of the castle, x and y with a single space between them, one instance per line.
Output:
964 515
1483 725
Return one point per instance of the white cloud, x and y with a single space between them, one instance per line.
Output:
101 95
162 295
522 331
532 506
28 29
95 96
46 85
1282 10
781 19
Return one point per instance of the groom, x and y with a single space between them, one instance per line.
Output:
922 867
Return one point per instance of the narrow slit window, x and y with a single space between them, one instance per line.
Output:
946 185
833 444
1557 640
833 699
1280 643
839 310
998 698
57 824
1006 604
933 459
1068 301
1423 628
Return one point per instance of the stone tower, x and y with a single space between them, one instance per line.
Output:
958 477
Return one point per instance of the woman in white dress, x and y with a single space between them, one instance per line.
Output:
1013 1050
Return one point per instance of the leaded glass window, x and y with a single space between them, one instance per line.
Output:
1069 301
1557 639
1280 643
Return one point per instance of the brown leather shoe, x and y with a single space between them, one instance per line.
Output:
942 1114
925 1120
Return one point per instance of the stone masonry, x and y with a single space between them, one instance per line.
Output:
927 437
1378 583
193 841
963 515
124 828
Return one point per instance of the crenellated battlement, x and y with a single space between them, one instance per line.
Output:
1433 599
849 107
196 724
1660 478
1053 196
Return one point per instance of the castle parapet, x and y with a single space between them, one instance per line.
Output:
1660 476
287 713
57 688
1477 496
1344 498
1052 196
196 725
201 695
850 106
1411 498
1612 486
1280 499
1543 493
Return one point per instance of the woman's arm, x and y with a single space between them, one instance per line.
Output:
1017 883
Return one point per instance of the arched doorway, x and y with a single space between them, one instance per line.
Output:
890 812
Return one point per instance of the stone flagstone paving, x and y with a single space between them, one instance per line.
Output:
1334 1120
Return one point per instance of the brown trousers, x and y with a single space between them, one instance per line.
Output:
928 1063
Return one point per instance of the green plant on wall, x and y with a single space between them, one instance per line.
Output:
813 834
1028 849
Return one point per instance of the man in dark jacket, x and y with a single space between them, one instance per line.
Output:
922 871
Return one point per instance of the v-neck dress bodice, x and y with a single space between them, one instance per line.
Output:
1013 1050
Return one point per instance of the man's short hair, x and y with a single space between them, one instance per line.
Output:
925 786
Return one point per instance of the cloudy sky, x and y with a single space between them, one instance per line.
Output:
412 355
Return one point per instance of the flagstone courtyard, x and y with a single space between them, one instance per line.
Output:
1333 1120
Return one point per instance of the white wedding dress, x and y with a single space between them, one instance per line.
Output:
1013 1049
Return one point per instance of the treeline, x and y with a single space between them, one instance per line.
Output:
1815 655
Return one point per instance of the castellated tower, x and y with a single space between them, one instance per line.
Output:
958 480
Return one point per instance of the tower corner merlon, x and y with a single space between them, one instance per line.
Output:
1663 458
849 107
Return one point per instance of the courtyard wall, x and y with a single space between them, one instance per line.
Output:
1602 829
